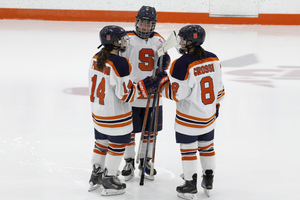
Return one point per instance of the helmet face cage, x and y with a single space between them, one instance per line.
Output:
181 45
123 42
110 34
193 33
145 21
144 28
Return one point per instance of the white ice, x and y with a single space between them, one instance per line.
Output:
46 131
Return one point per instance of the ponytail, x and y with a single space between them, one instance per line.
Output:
198 53
103 55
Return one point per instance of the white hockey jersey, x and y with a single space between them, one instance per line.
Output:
142 55
196 86
111 91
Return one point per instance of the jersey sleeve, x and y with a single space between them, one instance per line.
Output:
221 88
125 90
179 86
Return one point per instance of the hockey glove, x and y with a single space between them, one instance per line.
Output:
217 109
148 86
164 79
163 82
165 61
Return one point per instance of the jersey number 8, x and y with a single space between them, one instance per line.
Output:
207 90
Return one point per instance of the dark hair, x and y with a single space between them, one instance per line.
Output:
198 53
103 55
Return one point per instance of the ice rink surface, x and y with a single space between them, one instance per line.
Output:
46 130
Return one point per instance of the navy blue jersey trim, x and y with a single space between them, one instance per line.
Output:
112 121
194 122
121 64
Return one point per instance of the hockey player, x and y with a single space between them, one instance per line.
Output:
196 86
142 54
111 91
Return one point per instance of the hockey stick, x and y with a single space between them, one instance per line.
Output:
152 116
144 127
155 126
154 139
171 42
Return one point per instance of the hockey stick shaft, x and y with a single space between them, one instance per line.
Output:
143 129
148 139
155 124
155 135
144 124
171 42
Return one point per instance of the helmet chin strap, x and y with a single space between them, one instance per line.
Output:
189 47
186 49
119 48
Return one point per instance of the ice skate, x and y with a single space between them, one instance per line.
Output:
189 189
112 186
128 170
96 178
207 181
148 168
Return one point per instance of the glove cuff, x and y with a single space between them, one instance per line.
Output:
142 88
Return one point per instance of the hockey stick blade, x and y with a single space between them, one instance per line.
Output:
170 43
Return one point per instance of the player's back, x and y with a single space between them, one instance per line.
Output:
200 82
110 109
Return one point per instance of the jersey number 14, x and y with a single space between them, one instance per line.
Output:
100 93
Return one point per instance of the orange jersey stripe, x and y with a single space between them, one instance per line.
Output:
101 146
158 35
194 118
207 154
221 93
130 144
117 146
114 125
133 95
115 154
114 68
112 117
189 158
124 97
99 152
187 150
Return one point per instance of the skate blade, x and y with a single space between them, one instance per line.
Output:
148 177
187 196
111 192
128 178
94 187
206 192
